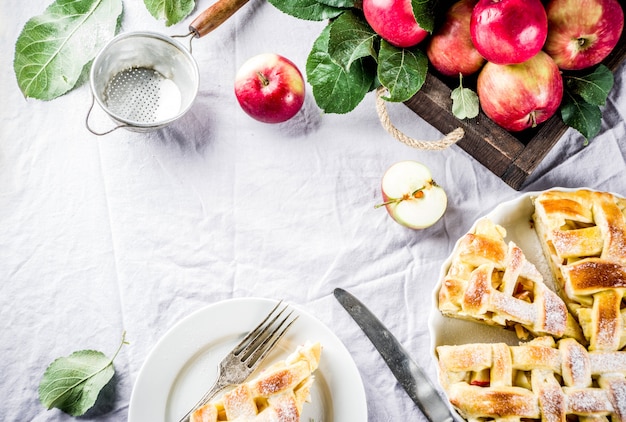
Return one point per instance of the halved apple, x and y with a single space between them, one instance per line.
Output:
410 195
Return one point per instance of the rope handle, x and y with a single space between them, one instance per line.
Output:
438 145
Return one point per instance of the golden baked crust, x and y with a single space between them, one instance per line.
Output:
583 235
276 395
538 380
491 281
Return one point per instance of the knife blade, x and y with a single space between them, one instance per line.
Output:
410 376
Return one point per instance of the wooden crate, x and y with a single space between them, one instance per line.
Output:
510 156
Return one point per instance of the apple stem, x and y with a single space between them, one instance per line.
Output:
533 118
417 194
263 79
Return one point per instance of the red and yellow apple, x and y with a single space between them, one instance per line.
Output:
270 88
410 195
581 33
520 96
394 21
508 31
450 49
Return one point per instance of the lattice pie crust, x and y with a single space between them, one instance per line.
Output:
582 377
491 281
537 380
583 234
276 395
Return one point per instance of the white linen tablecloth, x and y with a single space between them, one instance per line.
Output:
134 231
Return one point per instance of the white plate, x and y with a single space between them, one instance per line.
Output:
515 216
183 364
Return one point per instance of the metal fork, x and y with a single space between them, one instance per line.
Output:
245 357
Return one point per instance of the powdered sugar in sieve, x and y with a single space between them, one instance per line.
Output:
142 95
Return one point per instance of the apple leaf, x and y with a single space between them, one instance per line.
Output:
73 383
54 48
351 38
312 10
401 70
349 59
465 103
424 14
336 90
348 4
581 115
173 11
594 87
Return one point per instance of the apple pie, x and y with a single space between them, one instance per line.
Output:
277 394
540 380
491 281
583 235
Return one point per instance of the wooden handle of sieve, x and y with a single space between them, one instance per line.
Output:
214 16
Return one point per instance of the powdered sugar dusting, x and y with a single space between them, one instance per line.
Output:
287 410
552 403
617 394
576 364
588 401
239 403
554 313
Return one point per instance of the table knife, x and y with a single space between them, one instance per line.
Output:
410 376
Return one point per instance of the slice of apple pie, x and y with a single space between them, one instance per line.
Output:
583 234
491 281
535 381
277 394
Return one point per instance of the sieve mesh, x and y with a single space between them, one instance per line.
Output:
142 95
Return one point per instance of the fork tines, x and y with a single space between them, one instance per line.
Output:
257 344
243 360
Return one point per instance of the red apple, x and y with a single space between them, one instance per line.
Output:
394 21
509 31
270 88
450 49
581 33
520 96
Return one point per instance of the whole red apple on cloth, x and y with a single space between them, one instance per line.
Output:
581 33
450 49
394 21
508 31
270 88
520 96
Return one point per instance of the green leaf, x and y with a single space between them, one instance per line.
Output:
465 103
424 14
351 38
336 90
401 70
73 383
581 115
346 4
173 11
594 87
312 10
53 48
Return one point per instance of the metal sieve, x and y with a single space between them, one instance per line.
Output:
145 80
